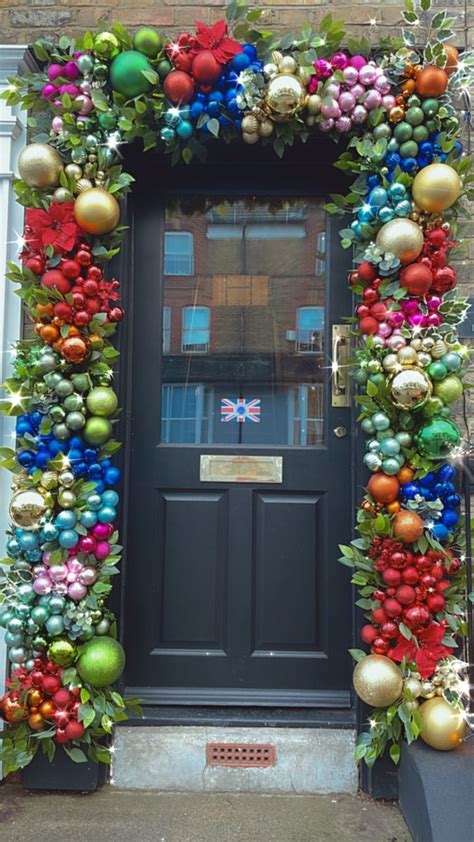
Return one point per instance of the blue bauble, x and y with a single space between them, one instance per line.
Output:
28 541
429 479
66 519
41 460
393 159
26 458
57 447
410 490
99 487
88 519
251 51
446 473
440 532
90 454
409 165
106 514
385 214
167 134
365 214
453 501
33 556
36 418
110 498
112 475
216 96
13 547
450 518
213 109
442 157
185 130
75 455
426 148
24 427
457 148
197 108
68 539
378 197
403 208
94 502
397 191
95 471
240 62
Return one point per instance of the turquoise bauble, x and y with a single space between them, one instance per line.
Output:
403 208
437 370
367 426
380 421
437 438
452 361
26 593
378 197
102 401
404 439
396 190
54 625
390 466
56 603
386 214
39 614
390 447
126 74
101 662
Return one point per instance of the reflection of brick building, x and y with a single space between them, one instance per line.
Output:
243 308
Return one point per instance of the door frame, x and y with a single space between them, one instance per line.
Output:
251 162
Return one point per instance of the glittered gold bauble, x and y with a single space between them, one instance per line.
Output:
285 96
442 726
401 237
436 187
410 388
26 509
377 681
40 165
97 211
407 526
62 652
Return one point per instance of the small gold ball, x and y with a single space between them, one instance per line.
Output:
266 128
270 70
250 123
61 195
288 65
73 171
26 509
313 103
250 137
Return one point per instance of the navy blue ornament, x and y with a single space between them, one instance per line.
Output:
446 473
409 165
240 62
450 518
410 490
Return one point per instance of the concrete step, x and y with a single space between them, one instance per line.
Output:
175 758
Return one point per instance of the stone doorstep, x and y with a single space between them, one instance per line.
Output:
306 760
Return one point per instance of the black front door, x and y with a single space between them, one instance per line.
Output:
233 590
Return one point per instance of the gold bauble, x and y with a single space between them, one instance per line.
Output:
270 70
442 726
97 211
410 388
26 509
40 165
83 184
266 128
288 65
407 355
377 681
285 96
413 685
250 123
436 187
401 237
61 195
305 74
313 103
439 349
396 114
49 480
73 171
250 137
277 57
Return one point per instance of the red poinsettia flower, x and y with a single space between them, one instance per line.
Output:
55 227
214 38
429 651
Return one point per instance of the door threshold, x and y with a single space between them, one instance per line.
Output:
244 717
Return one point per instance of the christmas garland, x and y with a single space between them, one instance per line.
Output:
394 107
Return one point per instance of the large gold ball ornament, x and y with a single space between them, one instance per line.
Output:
401 237
377 681
410 388
26 509
285 96
39 165
442 726
436 187
97 211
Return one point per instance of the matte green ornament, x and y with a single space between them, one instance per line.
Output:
101 662
126 74
414 116
449 390
420 133
73 403
102 401
62 652
403 132
163 68
97 431
39 642
409 149
148 41
81 382
75 420
390 466
436 439
430 107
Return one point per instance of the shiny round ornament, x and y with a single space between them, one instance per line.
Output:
67 499
407 355
436 187
284 97
61 195
97 211
126 74
407 526
40 165
62 652
401 237
437 438
97 430
410 388
377 681
443 727
26 509
431 81
383 488
438 349
101 662
450 389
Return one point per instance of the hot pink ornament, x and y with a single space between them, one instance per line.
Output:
343 124
87 544
434 320
410 306
102 550
373 99
358 62
339 61
77 591
350 75
416 320
100 531
323 68
367 75
54 70
359 115
49 90
70 89
72 70
396 318
347 101
313 85
434 301
388 101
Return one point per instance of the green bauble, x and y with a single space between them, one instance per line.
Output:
430 107
62 652
148 41
163 68
420 133
449 390
81 382
39 614
106 45
97 431
126 74
437 370
409 149
108 120
414 116
102 401
101 662
54 625
403 132
437 438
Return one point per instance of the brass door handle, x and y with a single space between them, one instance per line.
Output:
340 384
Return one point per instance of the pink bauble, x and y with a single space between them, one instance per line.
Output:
323 68
57 124
76 591
410 306
102 550
40 570
373 99
339 61
396 318
388 101
86 104
100 531
347 101
75 566
359 115
331 111
58 572
434 320
343 124
358 62
70 89
350 75
42 585
88 576
46 556
313 85
54 70
87 544
49 90
416 320
367 75
357 90
434 301
334 90
384 330
379 341
326 125
72 70
382 84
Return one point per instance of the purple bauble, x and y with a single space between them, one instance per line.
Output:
46 556
350 76
358 62
72 70
326 125
396 318
331 111
359 115
58 572
384 330
382 84
88 576
410 306
54 70
76 591
57 124
347 101
343 124
367 75
373 99
339 61
42 585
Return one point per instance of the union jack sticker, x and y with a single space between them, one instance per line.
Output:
240 410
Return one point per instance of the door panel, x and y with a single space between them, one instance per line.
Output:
233 593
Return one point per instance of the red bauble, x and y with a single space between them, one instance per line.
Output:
368 325
444 279
206 69
442 586
378 616
378 311
63 310
370 295
368 633
416 278
71 269
74 729
437 237
423 562
437 572
362 310
389 630
380 646
391 577
62 698
51 684
392 607
398 559
92 306
61 737
90 287
94 273
418 615
35 264
178 87
406 594
367 272
436 602
115 314
379 596
82 318
410 575
78 300
54 279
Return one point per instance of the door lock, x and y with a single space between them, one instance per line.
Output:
340 432
340 382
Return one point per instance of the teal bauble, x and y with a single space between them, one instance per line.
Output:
437 370
148 41
378 197
404 439
380 421
97 431
397 191
452 361
126 74
436 439
367 426
390 447
25 593
56 603
102 401
39 614
360 376
386 214
390 466
101 662
403 208
54 625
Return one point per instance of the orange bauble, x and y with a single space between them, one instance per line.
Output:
49 333
47 709
407 526
75 349
393 508
431 81
408 87
452 56
11 709
382 488
36 722
35 697
405 474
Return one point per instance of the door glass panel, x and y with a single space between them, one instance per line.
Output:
243 322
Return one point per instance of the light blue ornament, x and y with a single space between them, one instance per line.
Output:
172 117
390 447
13 547
33 555
185 130
372 461
56 603
386 214
49 532
94 501
26 593
55 625
66 519
390 466
106 514
365 214
380 421
28 541
111 498
452 361
404 439
68 538
403 208
17 654
88 518
167 134
378 197
397 191
386 434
